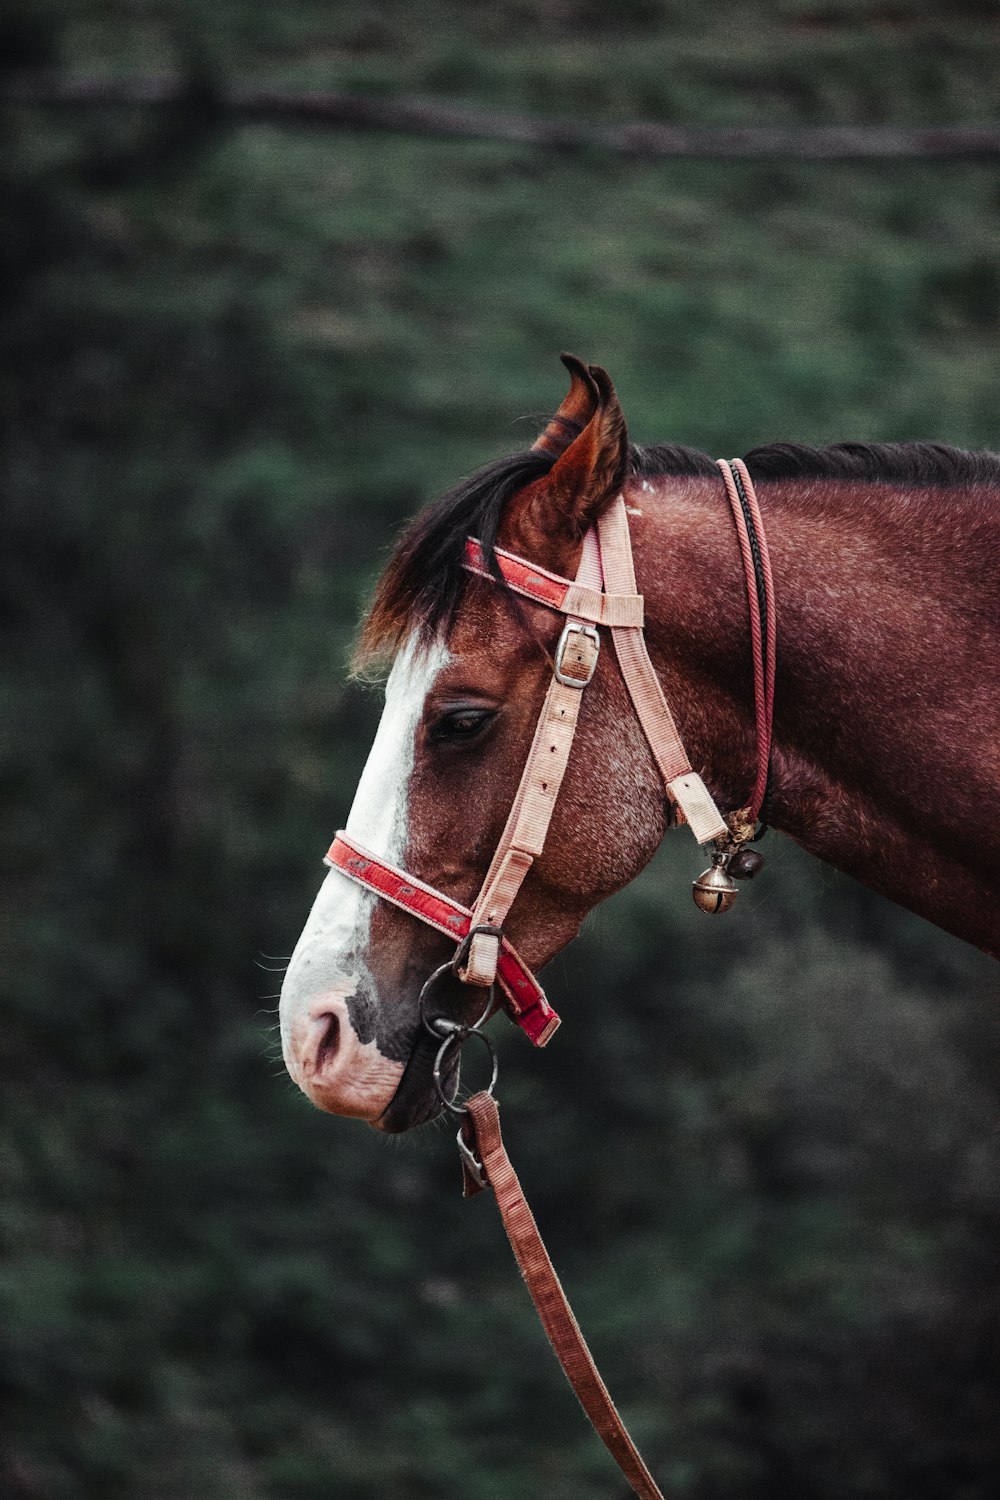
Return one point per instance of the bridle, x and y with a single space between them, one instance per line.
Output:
603 595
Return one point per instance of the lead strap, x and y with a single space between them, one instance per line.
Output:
482 1139
763 625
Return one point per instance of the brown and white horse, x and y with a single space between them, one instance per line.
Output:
886 759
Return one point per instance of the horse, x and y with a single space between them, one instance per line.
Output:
885 759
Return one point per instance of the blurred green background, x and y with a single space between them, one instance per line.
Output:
765 1152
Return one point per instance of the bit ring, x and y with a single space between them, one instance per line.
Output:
458 1039
445 1026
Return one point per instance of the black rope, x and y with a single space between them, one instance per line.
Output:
758 573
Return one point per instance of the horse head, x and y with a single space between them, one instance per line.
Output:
470 668
886 763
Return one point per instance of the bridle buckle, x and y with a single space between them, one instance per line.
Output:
579 646
478 955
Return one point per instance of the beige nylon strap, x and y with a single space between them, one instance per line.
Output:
608 556
604 609
523 837
524 833
569 1344
684 785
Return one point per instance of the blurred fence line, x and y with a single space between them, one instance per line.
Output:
412 115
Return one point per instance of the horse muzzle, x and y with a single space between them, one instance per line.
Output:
332 1065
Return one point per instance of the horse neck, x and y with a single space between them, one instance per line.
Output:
883 712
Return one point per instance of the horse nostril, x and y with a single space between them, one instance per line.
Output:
329 1042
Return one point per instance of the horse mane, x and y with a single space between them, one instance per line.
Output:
422 585
934 464
873 463
671 460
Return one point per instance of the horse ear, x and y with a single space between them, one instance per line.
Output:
548 519
576 411
590 473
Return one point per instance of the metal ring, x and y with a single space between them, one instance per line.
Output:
425 991
444 1026
457 1040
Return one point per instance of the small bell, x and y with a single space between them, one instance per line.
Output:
714 890
745 864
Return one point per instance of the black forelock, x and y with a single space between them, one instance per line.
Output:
423 582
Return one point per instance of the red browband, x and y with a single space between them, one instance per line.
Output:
569 597
521 576
525 997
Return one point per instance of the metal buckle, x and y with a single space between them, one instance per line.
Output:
461 959
571 629
473 1165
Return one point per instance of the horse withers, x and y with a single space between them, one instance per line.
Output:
886 753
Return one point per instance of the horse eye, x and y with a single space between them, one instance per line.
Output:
460 724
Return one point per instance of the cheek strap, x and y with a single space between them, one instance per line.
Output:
605 563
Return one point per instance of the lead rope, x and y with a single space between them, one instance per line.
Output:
763 624
485 1162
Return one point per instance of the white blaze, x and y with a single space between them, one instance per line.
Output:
331 955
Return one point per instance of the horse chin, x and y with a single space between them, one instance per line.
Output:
416 1100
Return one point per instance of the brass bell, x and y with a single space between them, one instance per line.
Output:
714 890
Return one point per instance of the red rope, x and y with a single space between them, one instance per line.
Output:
762 641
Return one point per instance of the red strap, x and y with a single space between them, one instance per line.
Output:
520 575
525 997
569 596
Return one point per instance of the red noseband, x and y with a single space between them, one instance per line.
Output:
525 997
